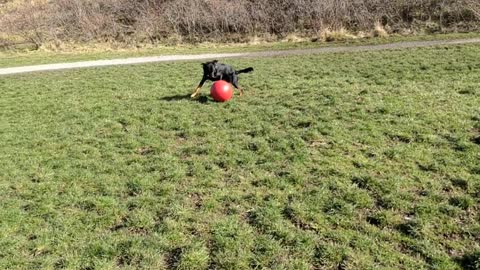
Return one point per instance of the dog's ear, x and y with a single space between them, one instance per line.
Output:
215 61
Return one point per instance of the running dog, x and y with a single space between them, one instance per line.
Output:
215 71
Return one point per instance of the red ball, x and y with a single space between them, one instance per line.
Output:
221 91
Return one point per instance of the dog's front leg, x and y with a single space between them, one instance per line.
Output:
197 90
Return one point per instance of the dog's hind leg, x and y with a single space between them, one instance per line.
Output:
235 84
241 91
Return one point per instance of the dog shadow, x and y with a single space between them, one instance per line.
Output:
201 99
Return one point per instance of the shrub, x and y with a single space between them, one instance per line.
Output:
152 21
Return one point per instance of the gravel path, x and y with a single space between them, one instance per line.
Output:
173 58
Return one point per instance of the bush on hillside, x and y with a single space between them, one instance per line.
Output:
152 21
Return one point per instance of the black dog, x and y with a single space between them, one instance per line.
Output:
215 71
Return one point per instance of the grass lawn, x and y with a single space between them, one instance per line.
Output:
334 161
22 58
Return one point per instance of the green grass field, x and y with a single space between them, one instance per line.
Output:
335 161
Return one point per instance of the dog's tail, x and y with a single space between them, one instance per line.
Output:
247 70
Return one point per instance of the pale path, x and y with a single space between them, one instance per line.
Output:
172 58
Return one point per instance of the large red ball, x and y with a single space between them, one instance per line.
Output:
221 91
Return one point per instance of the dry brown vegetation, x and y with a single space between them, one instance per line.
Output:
173 21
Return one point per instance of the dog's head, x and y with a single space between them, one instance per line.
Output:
210 68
